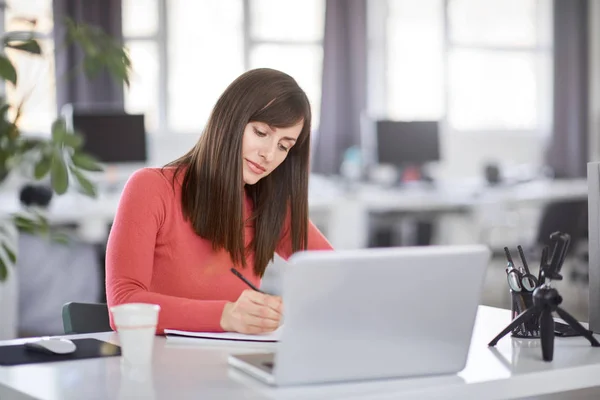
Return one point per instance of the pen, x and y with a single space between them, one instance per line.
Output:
246 281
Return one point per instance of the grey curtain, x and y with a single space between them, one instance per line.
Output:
568 153
344 88
77 88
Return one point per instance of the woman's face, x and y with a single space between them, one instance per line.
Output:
264 148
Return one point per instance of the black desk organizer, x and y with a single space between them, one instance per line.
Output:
520 302
534 300
86 349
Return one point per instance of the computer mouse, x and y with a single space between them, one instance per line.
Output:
52 346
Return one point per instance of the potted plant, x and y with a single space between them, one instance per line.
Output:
58 157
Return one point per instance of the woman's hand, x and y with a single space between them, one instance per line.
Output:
253 312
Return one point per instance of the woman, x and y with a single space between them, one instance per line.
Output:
239 196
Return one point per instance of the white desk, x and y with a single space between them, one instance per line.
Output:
196 370
345 214
445 197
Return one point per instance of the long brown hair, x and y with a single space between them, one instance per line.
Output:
212 195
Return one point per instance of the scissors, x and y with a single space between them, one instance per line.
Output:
518 280
529 281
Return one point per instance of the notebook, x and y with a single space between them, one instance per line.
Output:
227 336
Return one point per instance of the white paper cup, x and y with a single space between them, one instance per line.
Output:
136 325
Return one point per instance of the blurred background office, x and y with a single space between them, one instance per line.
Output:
434 121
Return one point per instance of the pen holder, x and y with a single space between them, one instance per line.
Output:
521 301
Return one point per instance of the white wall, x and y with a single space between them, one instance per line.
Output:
164 148
466 153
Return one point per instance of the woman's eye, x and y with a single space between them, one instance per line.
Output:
283 148
259 133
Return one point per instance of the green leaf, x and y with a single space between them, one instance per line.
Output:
36 224
100 51
59 131
26 225
87 186
92 66
29 46
86 162
7 70
60 237
73 140
3 271
58 173
42 167
11 254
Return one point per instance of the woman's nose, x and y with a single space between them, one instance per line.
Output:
267 153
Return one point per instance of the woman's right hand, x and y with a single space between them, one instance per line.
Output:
252 313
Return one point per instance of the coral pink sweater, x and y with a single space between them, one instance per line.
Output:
154 256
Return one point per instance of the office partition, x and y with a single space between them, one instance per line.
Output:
593 176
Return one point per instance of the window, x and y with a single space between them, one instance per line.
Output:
414 60
203 60
480 65
292 45
35 86
185 53
499 64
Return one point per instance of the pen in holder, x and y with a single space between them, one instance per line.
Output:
521 284
520 302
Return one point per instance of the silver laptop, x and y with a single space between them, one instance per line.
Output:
373 314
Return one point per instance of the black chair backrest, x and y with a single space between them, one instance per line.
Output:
564 216
85 318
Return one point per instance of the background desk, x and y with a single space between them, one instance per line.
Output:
198 370
342 212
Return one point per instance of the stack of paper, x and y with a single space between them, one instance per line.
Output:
232 336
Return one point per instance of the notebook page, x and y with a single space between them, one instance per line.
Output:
264 337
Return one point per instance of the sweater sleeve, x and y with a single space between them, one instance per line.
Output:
130 257
316 240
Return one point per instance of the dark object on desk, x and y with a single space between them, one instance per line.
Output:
522 284
35 195
112 136
407 143
85 318
86 348
565 330
492 174
546 300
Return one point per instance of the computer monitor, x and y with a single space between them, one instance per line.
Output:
407 143
113 137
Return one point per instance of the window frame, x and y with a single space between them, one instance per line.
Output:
161 40
3 91
543 128
379 48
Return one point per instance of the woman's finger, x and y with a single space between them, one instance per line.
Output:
273 302
250 320
264 312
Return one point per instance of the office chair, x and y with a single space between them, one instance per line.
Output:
85 318
568 217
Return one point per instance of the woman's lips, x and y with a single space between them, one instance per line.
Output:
254 167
